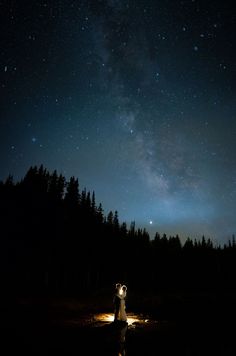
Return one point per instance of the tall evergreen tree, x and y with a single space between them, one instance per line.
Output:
72 192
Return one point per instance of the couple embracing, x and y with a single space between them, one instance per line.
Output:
119 302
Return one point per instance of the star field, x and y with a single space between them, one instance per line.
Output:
135 98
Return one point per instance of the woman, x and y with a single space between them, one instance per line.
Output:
122 311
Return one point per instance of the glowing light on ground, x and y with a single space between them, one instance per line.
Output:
109 318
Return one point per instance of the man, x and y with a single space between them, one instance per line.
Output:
116 301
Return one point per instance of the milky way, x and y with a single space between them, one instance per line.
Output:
135 98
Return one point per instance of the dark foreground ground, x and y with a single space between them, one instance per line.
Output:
167 324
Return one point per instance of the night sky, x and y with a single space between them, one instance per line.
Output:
135 98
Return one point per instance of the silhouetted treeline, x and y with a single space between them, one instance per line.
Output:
56 239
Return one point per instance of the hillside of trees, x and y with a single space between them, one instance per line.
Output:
56 239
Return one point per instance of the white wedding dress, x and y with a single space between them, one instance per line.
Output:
122 312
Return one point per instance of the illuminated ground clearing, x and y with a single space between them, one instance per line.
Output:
100 319
131 318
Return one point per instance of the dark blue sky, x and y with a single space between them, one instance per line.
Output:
135 98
